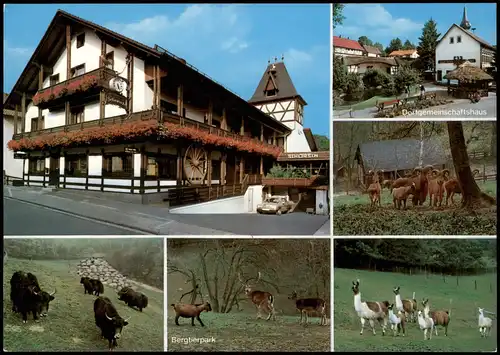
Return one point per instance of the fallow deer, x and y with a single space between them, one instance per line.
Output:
261 299
305 305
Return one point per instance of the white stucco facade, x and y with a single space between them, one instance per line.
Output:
455 43
341 52
12 167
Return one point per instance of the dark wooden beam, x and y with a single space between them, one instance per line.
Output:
23 113
68 52
16 118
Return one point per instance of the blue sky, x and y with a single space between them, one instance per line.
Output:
230 43
383 22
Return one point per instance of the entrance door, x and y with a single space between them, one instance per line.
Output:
230 169
54 171
440 75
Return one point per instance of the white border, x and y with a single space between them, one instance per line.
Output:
330 109
165 297
411 119
150 236
415 237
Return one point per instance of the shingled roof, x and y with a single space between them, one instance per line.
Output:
400 154
275 77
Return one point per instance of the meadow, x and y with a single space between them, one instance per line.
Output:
240 330
70 325
463 333
354 216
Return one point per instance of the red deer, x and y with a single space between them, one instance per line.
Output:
441 318
305 305
370 311
261 299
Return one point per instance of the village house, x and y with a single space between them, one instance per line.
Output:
359 65
101 112
404 53
394 158
11 167
347 47
372 51
459 42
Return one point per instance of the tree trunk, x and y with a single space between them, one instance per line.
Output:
472 195
493 144
421 155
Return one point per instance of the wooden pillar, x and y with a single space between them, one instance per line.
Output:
262 133
67 112
209 168
180 100
155 85
223 169
68 52
179 165
16 118
40 87
144 165
223 123
23 113
242 169
102 105
130 86
103 54
242 127
274 138
158 87
210 112
261 165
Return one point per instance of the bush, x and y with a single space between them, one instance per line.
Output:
377 78
278 172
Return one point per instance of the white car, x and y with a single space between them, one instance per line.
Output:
275 205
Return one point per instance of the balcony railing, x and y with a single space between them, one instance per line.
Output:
160 115
78 85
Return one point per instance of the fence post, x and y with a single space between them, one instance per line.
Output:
475 285
491 288
457 279
484 173
444 277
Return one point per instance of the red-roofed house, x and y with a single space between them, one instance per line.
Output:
347 47
405 53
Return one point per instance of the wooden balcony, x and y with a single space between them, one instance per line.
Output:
80 86
289 182
159 115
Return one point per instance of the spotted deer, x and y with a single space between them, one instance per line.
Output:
370 311
261 299
305 305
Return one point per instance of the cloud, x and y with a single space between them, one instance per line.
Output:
373 20
16 51
199 28
306 63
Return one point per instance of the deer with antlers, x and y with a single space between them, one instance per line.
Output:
261 299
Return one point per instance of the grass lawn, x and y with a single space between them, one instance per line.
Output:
243 332
463 332
352 215
70 325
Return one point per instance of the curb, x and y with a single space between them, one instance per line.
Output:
84 216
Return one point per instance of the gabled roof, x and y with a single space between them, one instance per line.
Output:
53 42
372 49
311 140
402 52
475 37
275 77
347 43
400 154
359 60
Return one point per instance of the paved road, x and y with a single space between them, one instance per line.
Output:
22 219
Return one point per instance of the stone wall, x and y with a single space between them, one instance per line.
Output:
98 268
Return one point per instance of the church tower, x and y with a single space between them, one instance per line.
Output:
465 24
276 96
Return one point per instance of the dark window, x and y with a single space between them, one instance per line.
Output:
36 166
167 106
459 39
216 170
54 79
118 165
77 115
75 165
271 92
37 124
110 60
78 70
80 40
451 40
215 123
161 166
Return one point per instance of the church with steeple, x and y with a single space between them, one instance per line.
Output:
462 42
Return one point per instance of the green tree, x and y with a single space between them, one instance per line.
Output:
427 45
406 76
365 41
339 75
394 45
374 78
408 45
338 18
380 46
322 142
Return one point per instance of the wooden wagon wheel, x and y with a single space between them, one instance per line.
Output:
195 164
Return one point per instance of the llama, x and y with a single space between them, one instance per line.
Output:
398 322
485 324
441 318
406 306
370 311
425 324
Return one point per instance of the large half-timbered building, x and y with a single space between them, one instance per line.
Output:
99 111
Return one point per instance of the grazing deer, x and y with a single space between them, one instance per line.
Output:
370 311
260 299
441 318
305 305
409 307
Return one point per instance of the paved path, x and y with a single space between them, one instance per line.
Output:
143 219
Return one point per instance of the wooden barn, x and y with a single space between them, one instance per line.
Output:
398 156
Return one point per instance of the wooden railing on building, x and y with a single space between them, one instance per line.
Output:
186 195
10 180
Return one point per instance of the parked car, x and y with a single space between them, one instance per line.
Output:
275 205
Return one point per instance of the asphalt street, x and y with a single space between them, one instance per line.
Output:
22 219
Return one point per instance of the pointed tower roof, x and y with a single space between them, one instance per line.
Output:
465 24
275 78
